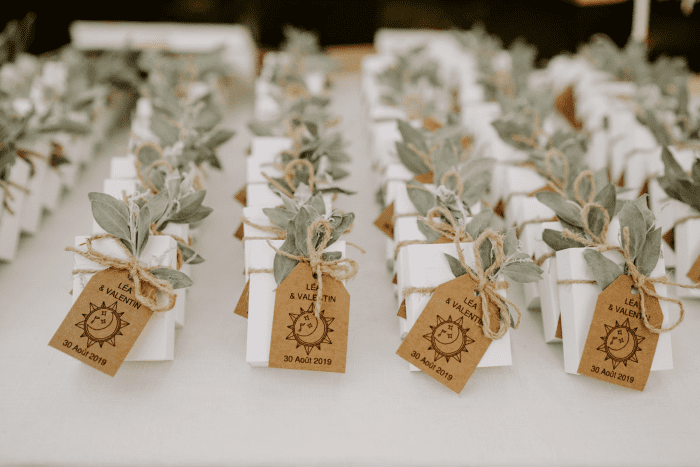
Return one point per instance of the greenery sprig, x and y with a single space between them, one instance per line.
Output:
677 183
131 224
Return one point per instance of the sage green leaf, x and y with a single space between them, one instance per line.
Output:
562 208
143 229
444 159
278 216
475 189
510 243
289 204
345 223
166 131
261 128
523 272
607 197
189 255
422 199
412 136
486 254
111 220
218 137
201 213
632 218
456 267
649 256
283 265
410 159
557 241
304 218
430 235
317 203
479 222
157 205
332 255
178 279
188 206
671 167
695 172
117 204
604 270
643 206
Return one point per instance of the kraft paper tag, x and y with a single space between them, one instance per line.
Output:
300 340
385 221
565 103
239 232
500 208
402 309
669 239
694 273
619 348
424 178
242 196
103 323
242 305
558 333
447 342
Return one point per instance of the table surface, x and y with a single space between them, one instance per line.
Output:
208 407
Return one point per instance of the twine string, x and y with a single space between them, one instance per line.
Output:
340 269
138 272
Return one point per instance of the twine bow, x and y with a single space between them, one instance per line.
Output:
5 186
487 288
137 271
339 269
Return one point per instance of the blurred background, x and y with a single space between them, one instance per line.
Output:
553 26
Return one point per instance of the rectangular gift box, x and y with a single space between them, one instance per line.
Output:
123 167
426 266
53 184
157 340
119 188
33 209
580 300
267 106
10 223
263 153
261 302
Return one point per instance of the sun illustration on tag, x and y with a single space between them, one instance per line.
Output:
620 343
308 330
102 324
448 339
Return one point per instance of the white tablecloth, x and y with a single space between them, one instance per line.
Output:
208 407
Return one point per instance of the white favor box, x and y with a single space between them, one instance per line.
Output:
51 191
426 266
516 180
383 135
264 152
531 235
123 167
32 209
258 217
267 107
157 340
687 251
120 187
10 223
394 176
261 303
578 306
315 82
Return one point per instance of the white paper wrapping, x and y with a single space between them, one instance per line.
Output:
10 223
157 340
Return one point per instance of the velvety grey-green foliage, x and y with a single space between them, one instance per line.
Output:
677 183
604 270
300 218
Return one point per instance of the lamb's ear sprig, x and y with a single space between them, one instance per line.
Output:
131 224
413 71
296 220
644 244
677 183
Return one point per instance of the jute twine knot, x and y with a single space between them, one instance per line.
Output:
146 181
290 169
137 271
450 229
486 287
339 269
